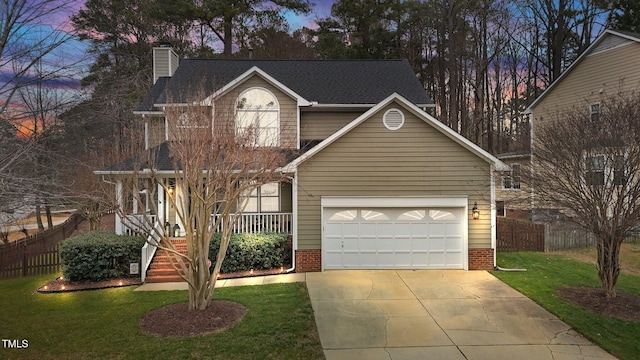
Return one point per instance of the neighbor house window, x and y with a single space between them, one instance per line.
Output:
595 170
619 176
513 178
594 110
265 198
500 211
258 117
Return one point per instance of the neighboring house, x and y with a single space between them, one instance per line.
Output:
610 65
513 194
377 183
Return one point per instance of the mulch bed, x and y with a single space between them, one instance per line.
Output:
178 321
60 285
624 306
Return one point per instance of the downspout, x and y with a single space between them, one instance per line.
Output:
294 225
492 212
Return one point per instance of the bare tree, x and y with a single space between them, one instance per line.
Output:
589 166
24 43
215 169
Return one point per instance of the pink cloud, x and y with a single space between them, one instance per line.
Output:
321 9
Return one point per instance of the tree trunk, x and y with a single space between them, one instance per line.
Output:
228 35
39 218
609 264
47 210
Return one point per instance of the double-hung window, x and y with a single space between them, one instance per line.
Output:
594 110
258 117
265 198
595 170
605 170
512 180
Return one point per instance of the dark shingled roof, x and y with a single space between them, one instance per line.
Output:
142 160
162 160
323 81
154 94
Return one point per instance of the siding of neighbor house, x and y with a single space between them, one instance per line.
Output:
610 70
288 108
320 125
515 199
370 160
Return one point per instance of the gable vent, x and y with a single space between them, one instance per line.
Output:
393 119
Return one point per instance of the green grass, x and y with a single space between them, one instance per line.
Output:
103 324
548 272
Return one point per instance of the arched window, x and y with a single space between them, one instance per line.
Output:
258 117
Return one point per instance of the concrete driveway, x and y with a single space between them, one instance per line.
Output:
434 314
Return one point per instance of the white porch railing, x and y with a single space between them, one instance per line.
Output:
138 223
149 249
262 222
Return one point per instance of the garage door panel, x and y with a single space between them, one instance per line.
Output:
388 238
420 245
386 244
386 230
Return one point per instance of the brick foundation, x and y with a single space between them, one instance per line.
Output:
308 260
480 259
311 260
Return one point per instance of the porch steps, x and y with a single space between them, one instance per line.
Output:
160 269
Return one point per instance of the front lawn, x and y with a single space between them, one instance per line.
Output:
99 324
547 272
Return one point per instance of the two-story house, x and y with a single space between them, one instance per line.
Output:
610 66
376 183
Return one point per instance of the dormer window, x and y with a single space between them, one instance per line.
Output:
258 117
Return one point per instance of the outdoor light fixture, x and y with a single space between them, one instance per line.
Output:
475 212
167 228
176 230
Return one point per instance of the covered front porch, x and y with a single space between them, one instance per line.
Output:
268 208
147 210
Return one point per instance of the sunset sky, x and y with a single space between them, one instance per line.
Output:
77 51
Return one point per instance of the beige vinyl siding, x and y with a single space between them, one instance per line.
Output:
286 202
370 160
515 199
288 109
609 71
321 125
155 131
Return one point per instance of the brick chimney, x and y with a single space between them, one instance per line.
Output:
165 61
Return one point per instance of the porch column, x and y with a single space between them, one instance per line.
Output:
120 204
161 204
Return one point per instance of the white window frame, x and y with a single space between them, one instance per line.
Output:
253 116
610 170
594 111
513 181
257 196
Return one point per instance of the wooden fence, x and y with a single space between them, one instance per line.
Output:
38 253
519 235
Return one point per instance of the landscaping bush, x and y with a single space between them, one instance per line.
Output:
260 251
97 256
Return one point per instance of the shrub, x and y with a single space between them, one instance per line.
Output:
97 256
251 251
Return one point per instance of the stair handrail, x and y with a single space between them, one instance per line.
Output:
149 248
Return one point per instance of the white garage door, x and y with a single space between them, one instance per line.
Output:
393 238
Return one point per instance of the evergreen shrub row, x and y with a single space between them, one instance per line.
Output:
259 251
97 256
